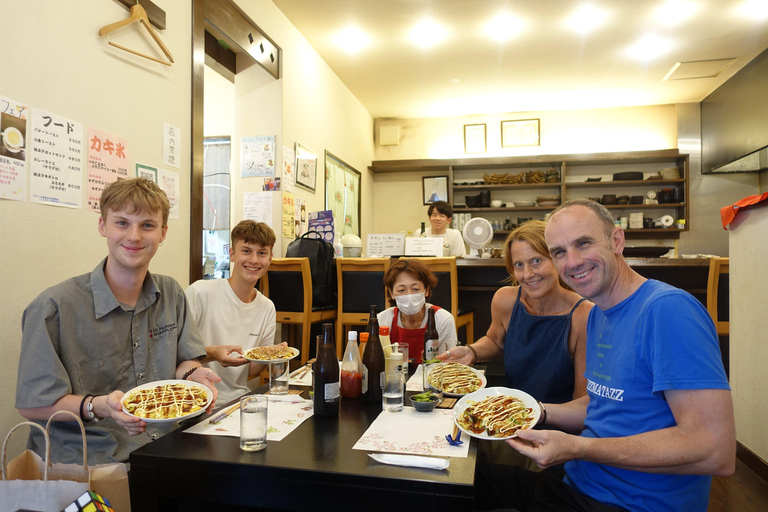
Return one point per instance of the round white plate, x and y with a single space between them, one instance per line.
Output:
482 394
483 383
266 361
187 383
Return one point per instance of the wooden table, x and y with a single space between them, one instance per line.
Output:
314 468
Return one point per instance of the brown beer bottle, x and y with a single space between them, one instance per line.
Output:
373 362
431 337
326 382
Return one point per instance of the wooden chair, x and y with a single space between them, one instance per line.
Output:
288 284
717 266
360 284
446 295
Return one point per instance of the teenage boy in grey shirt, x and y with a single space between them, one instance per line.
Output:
91 338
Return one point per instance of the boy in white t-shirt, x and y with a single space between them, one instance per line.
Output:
231 314
440 214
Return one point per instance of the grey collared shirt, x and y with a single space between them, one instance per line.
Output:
77 339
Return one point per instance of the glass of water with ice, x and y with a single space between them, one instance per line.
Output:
392 391
253 422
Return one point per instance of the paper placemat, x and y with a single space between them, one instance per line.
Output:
286 412
413 432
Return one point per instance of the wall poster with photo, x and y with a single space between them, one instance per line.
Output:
306 167
522 132
342 194
434 188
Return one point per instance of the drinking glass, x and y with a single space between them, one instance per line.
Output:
392 390
278 376
253 422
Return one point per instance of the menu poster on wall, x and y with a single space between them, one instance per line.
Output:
322 222
56 165
288 215
258 206
171 145
257 156
289 169
169 182
300 216
13 153
107 162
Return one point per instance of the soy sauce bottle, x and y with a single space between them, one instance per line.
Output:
326 382
373 362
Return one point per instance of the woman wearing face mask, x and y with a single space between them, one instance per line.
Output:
409 284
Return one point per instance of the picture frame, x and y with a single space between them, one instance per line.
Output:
342 194
306 167
434 188
474 138
520 132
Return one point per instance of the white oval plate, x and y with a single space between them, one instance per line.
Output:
482 394
266 361
187 383
483 383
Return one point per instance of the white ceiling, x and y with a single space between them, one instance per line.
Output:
548 66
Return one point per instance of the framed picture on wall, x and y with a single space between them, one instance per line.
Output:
306 167
342 194
474 138
434 188
523 132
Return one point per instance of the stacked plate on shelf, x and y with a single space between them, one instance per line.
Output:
548 200
525 204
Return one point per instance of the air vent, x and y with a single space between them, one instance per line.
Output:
698 69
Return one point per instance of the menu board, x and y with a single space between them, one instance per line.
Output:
424 246
13 150
107 162
385 244
56 165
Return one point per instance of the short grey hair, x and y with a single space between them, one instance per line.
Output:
605 217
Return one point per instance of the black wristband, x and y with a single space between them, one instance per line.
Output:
80 410
190 372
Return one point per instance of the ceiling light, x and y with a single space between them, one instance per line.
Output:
649 47
586 18
503 27
456 80
755 9
428 33
674 12
351 39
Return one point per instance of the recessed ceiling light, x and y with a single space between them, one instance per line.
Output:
649 47
428 33
586 18
755 9
675 12
456 80
351 39
503 27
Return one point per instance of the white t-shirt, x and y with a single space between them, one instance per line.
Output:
453 243
446 327
223 319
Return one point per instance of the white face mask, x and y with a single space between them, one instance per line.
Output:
410 304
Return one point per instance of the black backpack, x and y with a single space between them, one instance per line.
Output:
322 264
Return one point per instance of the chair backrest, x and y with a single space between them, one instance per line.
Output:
446 294
361 283
288 284
717 295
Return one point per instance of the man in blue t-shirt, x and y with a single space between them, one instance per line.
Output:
657 420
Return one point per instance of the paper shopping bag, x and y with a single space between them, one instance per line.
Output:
26 483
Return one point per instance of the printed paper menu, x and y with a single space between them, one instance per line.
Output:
56 164
107 162
13 152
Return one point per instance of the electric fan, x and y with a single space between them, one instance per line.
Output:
477 233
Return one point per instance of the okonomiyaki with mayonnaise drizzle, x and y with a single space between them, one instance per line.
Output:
175 400
454 378
498 416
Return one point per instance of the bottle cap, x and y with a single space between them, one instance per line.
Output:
352 335
363 336
384 331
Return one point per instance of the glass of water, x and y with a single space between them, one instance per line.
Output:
253 422
278 376
392 390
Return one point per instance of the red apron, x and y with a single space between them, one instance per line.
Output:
414 338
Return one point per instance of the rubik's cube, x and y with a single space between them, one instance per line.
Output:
89 501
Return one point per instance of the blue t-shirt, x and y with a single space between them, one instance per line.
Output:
659 338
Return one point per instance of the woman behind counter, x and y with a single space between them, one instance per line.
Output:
409 284
538 324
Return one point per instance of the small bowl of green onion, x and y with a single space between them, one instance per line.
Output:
425 402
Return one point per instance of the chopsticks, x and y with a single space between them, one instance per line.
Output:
303 370
223 414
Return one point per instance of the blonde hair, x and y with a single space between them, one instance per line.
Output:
135 195
252 232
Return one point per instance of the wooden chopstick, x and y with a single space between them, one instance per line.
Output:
223 414
308 367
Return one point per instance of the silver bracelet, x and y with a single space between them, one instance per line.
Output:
91 414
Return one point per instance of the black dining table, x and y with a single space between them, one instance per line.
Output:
313 468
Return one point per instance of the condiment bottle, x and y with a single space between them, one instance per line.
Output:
351 369
363 342
326 378
373 364
423 231
431 337
385 342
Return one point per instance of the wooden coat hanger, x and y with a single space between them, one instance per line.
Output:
138 14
